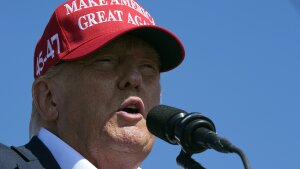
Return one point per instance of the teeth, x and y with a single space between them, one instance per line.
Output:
132 107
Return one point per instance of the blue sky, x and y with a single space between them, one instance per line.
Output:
241 70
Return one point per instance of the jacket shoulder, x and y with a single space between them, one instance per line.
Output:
33 155
8 157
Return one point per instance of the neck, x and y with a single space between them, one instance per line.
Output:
116 160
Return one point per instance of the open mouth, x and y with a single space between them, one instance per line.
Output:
131 110
133 106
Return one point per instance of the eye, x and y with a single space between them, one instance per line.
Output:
146 65
105 62
100 62
149 68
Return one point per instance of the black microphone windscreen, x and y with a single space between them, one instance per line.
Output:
161 121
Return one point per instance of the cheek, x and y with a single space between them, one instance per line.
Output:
156 90
96 91
152 97
87 104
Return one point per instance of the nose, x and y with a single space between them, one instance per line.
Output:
130 78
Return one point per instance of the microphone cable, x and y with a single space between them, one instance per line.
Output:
242 156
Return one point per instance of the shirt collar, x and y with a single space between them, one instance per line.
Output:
66 156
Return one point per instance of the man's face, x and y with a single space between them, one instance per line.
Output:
103 99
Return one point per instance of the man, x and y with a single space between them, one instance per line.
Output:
97 73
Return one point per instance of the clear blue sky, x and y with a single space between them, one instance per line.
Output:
241 69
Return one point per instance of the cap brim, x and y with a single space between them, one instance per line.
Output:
166 43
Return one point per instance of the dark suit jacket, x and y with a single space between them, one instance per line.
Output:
34 155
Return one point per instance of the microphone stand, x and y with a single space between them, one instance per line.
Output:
202 130
185 160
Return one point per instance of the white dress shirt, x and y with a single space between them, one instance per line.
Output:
66 156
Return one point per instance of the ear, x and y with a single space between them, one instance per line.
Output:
43 100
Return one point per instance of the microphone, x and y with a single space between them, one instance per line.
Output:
193 131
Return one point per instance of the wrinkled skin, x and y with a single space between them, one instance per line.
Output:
84 101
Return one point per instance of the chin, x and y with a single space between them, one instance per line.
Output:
135 140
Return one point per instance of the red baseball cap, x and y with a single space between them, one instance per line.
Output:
79 27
